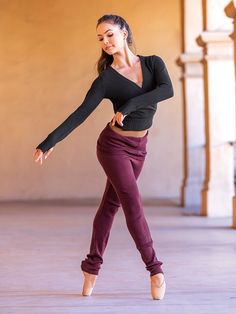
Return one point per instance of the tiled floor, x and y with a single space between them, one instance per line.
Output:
42 245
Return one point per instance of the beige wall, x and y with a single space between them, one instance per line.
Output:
47 57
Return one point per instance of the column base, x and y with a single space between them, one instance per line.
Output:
217 203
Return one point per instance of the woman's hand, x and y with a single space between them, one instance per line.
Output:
118 117
40 156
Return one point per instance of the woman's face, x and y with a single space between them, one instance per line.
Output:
111 37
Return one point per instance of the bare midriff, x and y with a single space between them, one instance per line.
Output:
128 133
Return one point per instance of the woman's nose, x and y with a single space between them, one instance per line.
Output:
105 41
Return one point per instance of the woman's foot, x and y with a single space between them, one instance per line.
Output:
89 283
158 286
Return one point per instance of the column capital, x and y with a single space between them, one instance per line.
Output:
206 37
230 9
191 63
189 58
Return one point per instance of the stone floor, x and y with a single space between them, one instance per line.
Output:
41 246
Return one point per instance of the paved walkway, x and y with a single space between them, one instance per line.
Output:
41 246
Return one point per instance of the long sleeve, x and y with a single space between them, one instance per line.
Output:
162 91
92 99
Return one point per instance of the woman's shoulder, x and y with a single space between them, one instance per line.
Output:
105 75
153 62
152 58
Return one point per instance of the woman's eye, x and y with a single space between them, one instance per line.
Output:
110 35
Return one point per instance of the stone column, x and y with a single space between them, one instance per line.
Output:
193 107
219 85
230 11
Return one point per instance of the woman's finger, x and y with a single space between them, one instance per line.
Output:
120 119
39 159
113 121
48 152
38 155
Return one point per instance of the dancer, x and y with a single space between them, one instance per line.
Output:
134 84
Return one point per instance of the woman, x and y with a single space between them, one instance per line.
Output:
134 84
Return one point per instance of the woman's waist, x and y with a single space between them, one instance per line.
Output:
132 133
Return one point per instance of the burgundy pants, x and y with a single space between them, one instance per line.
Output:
122 159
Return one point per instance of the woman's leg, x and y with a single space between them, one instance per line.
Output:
102 225
122 171
101 229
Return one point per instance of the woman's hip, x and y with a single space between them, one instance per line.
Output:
111 142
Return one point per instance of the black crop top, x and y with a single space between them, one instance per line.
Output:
127 97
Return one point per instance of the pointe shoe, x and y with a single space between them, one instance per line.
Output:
89 283
157 290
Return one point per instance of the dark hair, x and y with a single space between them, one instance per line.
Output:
106 59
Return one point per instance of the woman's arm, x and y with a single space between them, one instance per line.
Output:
92 99
162 91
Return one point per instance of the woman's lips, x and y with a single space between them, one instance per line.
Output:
109 47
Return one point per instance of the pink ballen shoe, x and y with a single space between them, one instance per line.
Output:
89 283
157 291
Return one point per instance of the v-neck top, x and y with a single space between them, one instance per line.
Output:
138 103
140 59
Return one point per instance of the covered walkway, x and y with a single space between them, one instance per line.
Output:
42 245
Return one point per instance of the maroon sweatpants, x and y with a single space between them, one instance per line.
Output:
122 158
